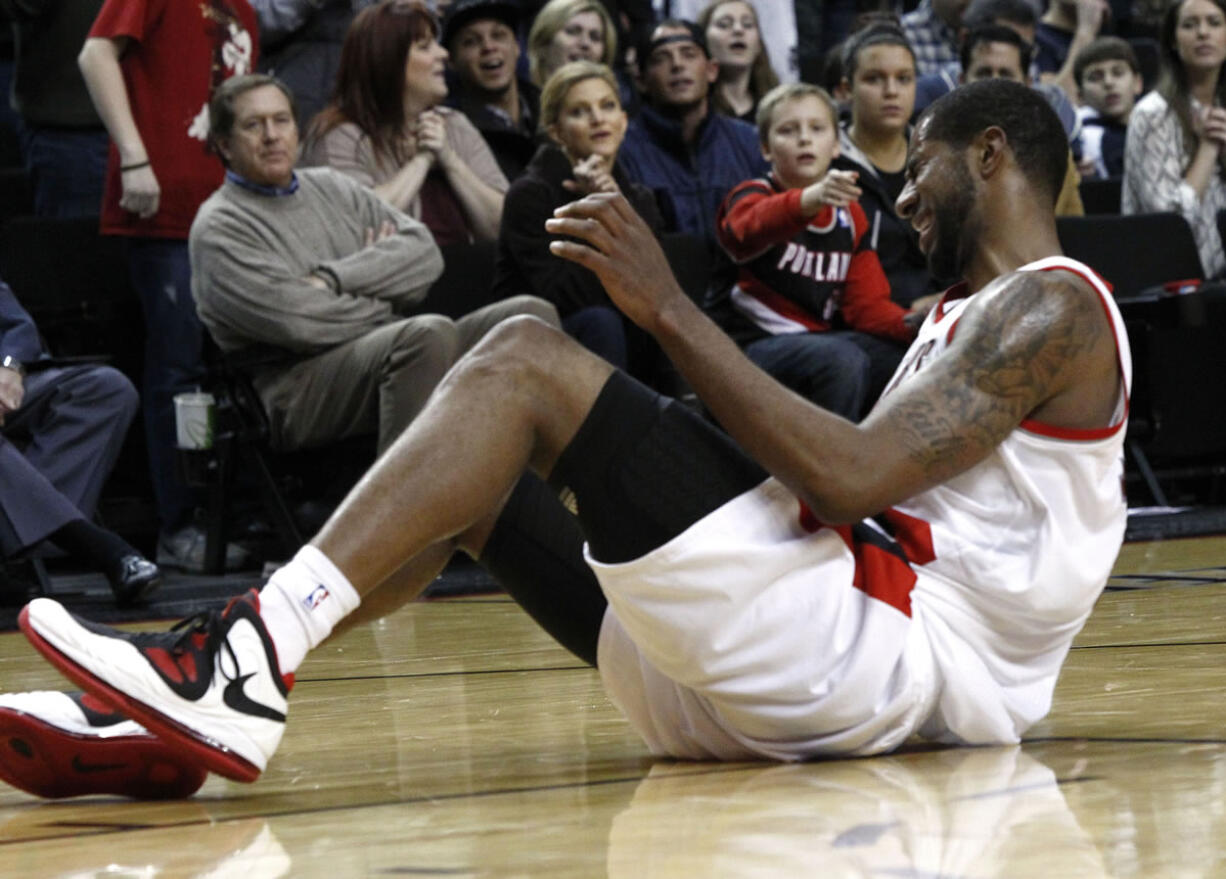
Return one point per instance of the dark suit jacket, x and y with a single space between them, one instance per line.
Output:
18 335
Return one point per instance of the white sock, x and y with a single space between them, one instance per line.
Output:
302 602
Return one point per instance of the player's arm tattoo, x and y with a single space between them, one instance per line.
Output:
1008 358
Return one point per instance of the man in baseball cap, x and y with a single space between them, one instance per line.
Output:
482 38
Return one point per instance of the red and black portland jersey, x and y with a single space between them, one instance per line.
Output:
797 274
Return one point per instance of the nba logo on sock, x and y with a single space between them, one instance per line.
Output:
316 598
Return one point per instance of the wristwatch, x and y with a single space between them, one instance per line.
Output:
11 362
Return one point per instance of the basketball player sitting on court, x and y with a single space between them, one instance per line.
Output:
802 289
810 586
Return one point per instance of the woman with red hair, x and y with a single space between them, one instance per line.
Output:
386 127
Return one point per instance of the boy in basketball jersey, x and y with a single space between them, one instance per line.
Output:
808 587
802 290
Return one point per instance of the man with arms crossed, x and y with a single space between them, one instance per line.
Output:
737 624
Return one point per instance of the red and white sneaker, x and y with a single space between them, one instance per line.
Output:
71 744
210 687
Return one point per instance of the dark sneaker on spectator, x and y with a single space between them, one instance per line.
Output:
72 744
211 687
184 550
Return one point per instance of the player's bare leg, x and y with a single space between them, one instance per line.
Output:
513 404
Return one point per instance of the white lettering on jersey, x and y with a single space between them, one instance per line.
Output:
816 264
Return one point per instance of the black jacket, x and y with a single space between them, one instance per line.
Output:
525 264
896 243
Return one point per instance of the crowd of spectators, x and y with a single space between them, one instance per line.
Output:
419 125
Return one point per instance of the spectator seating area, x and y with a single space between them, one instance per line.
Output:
1177 426
75 284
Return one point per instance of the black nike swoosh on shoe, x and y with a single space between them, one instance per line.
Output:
237 698
81 766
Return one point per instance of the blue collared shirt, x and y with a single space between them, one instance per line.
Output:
261 188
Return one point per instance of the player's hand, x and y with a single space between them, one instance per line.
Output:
12 392
619 247
591 175
141 192
837 188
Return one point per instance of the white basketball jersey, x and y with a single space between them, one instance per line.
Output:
1021 546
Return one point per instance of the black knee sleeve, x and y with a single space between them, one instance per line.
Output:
644 468
536 552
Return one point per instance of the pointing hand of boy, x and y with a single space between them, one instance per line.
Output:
836 188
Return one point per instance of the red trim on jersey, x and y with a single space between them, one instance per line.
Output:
883 563
1055 431
1078 434
914 535
958 291
880 574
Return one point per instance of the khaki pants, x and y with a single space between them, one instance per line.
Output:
380 381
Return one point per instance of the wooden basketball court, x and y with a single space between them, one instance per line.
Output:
454 739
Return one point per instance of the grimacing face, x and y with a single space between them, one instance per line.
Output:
939 200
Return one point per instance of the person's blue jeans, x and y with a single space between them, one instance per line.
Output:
840 370
174 364
67 167
601 330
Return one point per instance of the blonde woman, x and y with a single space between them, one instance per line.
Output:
570 30
582 117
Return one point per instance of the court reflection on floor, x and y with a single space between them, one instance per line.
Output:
961 812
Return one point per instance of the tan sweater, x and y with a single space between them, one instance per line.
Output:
347 149
251 255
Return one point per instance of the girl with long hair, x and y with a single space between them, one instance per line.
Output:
1175 153
570 30
745 72
879 78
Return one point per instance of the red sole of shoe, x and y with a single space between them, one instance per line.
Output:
46 761
211 756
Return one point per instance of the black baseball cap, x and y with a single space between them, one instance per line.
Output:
651 42
462 12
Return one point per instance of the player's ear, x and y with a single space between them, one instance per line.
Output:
989 150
